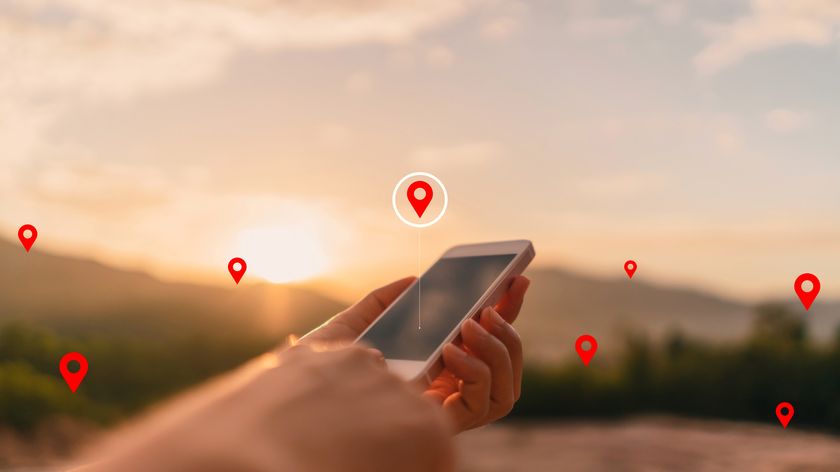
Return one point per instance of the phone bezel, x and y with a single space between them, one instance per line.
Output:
414 370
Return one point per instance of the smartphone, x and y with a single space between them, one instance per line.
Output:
413 330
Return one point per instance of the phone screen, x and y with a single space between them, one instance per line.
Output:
436 304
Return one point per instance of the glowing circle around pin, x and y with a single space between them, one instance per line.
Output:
397 188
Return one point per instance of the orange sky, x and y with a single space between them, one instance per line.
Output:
188 133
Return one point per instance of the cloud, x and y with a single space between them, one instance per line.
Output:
671 13
58 54
601 27
440 57
461 155
85 184
724 131
61 55
499 28
784 120
770 24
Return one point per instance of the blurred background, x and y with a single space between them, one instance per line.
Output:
150 142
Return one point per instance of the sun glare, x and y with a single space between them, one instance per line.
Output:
282 254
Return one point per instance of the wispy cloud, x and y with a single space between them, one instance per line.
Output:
501 27
784 120
440 57
770 24
65 52
601 27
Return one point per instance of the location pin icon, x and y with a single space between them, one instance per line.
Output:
237 267
807 298
784 412
588 354
630 267
27 235
419 204
73 379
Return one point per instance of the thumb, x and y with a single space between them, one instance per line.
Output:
361 315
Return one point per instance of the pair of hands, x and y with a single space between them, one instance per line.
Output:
336 408
482 378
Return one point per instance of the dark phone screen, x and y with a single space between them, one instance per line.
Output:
442 298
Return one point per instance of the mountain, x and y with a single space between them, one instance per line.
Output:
562 305
79 296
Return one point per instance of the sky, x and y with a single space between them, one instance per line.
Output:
698 138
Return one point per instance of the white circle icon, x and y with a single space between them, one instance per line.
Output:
419 194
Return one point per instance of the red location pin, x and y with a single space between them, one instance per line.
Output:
586 355
784 411
73 379
630 267
235 272
808 297
419 204
30 240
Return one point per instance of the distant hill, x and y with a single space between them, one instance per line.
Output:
79 296
562 305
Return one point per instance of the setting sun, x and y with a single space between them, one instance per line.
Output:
282 254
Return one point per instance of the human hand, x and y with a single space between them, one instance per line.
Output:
318 411
482 378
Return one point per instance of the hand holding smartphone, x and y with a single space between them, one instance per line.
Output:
413 330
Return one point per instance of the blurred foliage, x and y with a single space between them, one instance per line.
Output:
124 374
681 376
742 381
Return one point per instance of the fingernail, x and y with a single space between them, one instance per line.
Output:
478 329
455 350
474 323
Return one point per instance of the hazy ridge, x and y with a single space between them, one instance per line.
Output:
78 296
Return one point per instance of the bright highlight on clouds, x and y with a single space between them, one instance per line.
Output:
282 254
